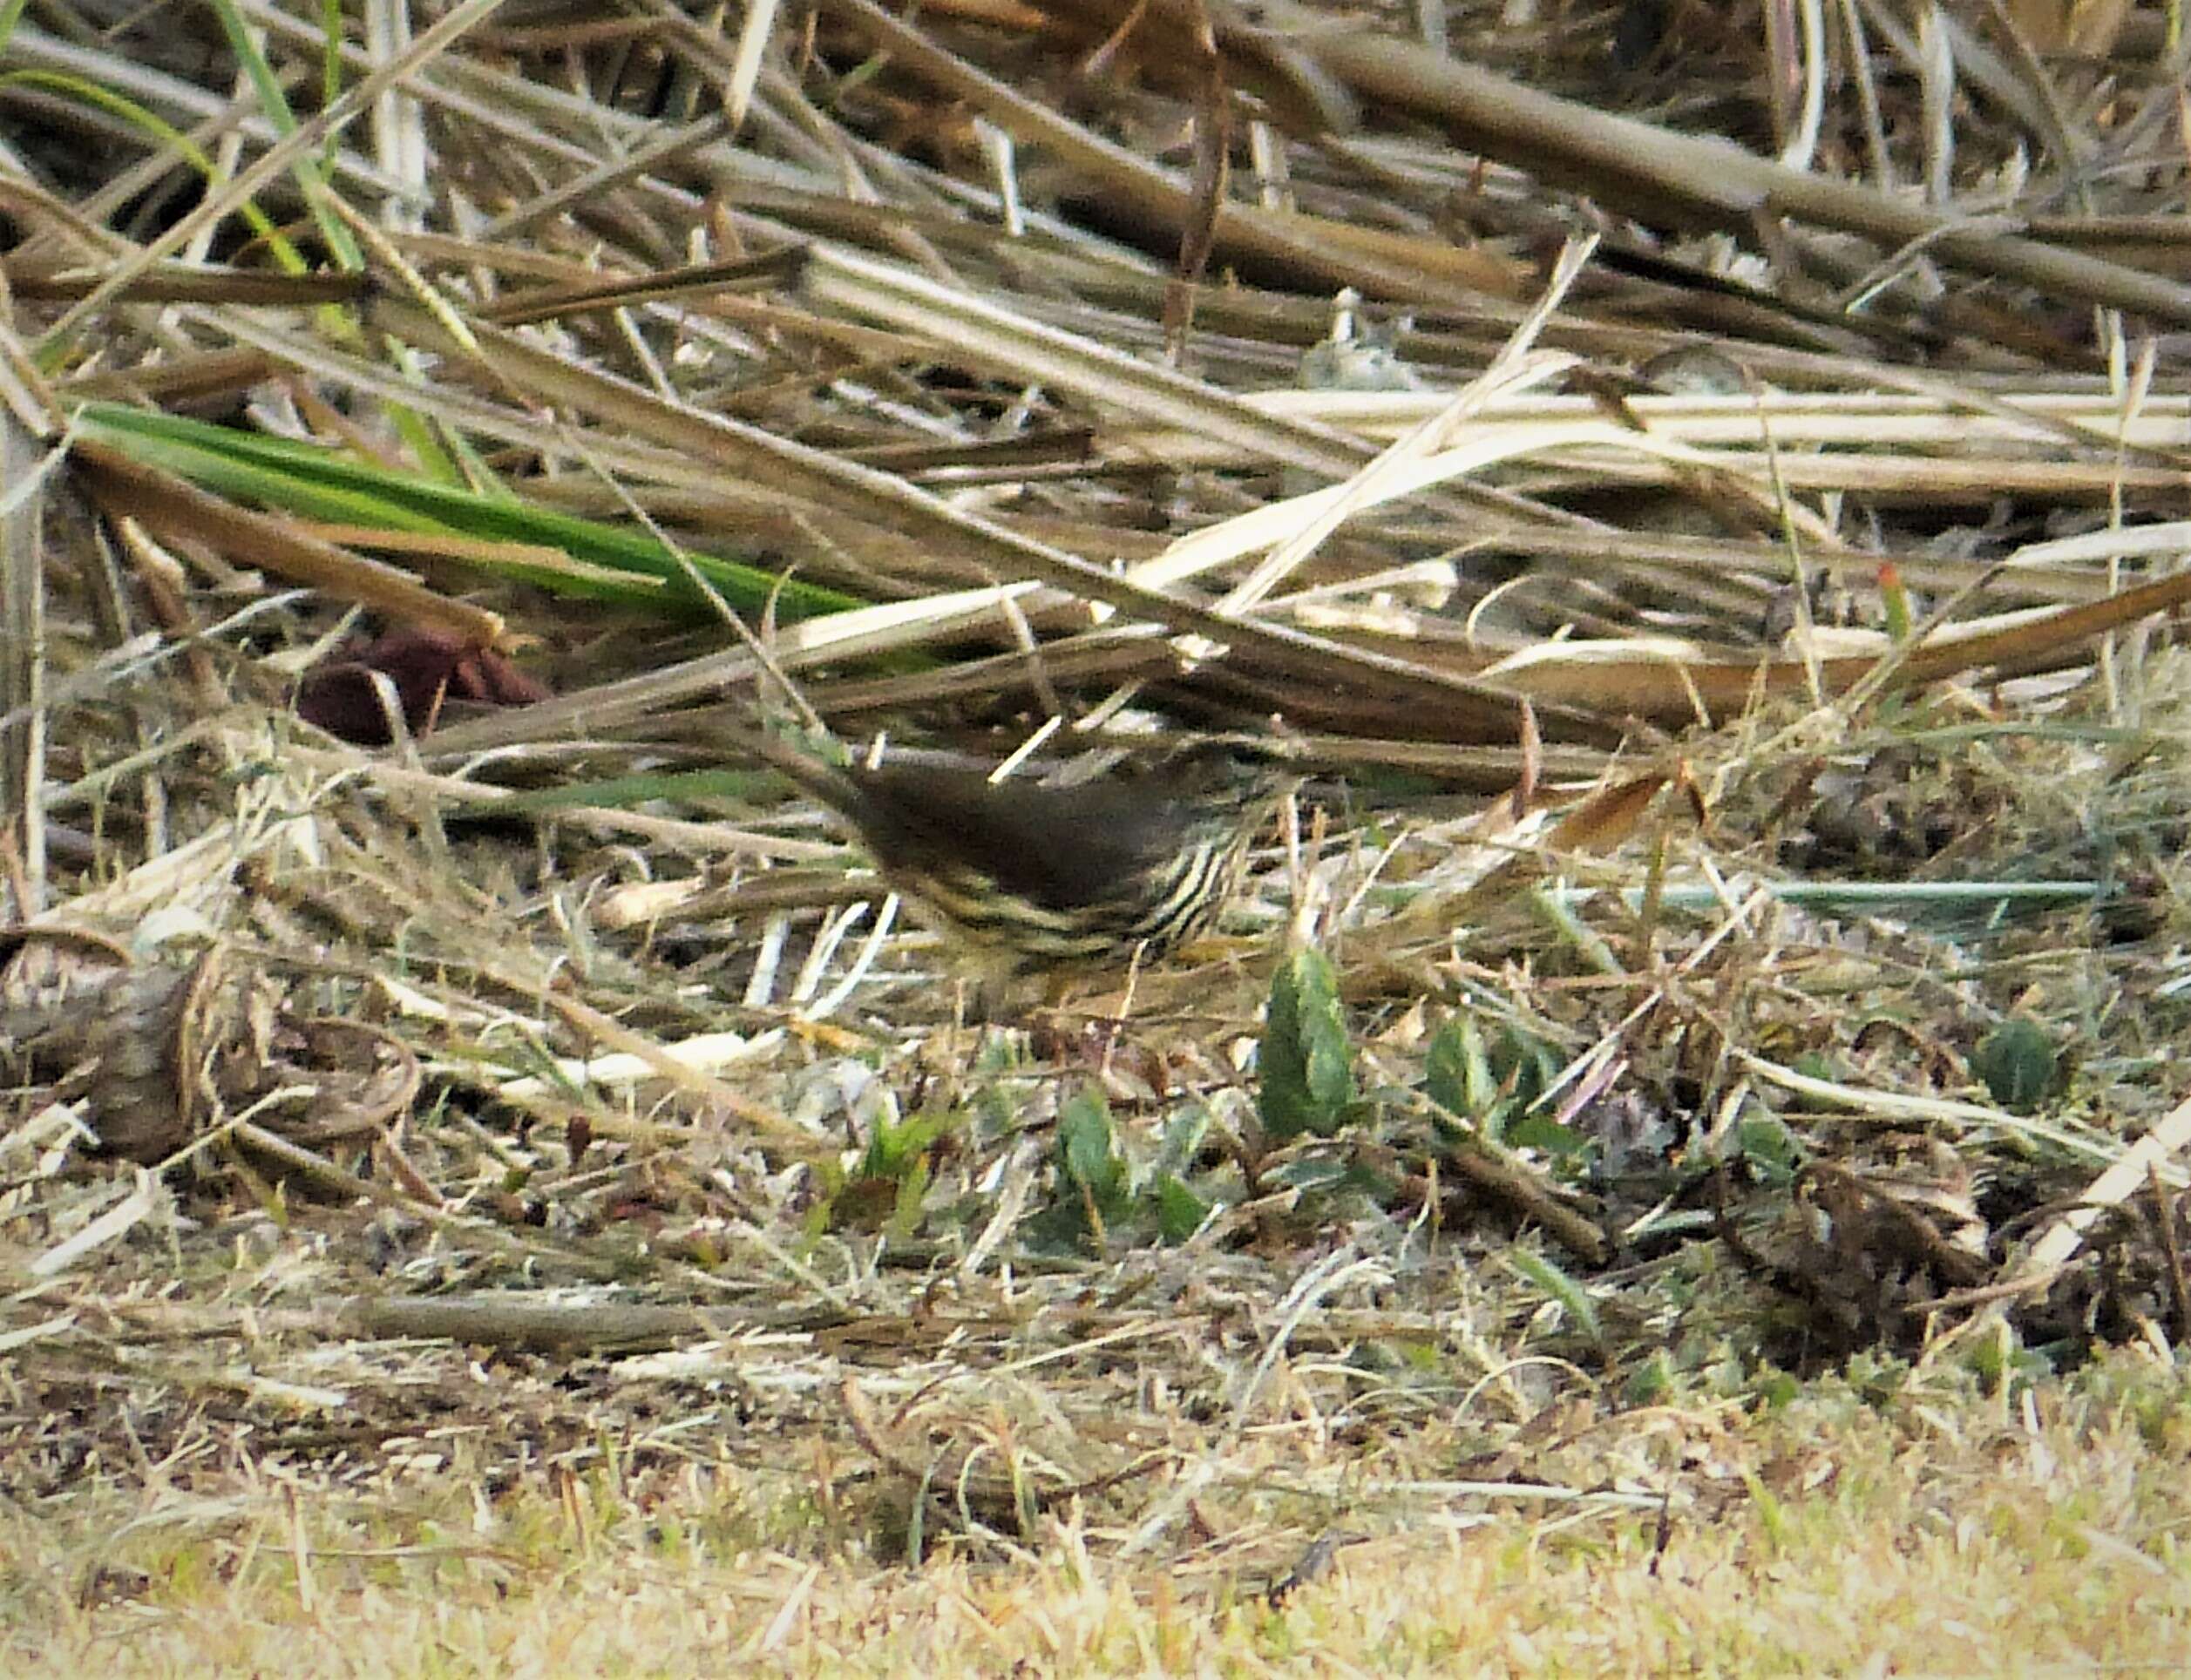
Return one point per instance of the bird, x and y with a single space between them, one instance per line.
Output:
1033 875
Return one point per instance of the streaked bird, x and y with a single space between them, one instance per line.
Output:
1033 875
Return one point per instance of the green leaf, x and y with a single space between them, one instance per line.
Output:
1770 1149
607 562
1086 1148
1540 1131
274 105
1651 1382
1094 1200
1497 1087
1179 1210
1307 1064
898 1149
1457 1072
1777 1389
1525 1066
1311 1173
912 1203
1566 1291
2019 1063
95 94
1184 1133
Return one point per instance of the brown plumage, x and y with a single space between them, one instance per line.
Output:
1137 861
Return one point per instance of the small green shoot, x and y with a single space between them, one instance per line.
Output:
1307 1065
1572 1298
2019 1064
1496 1088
